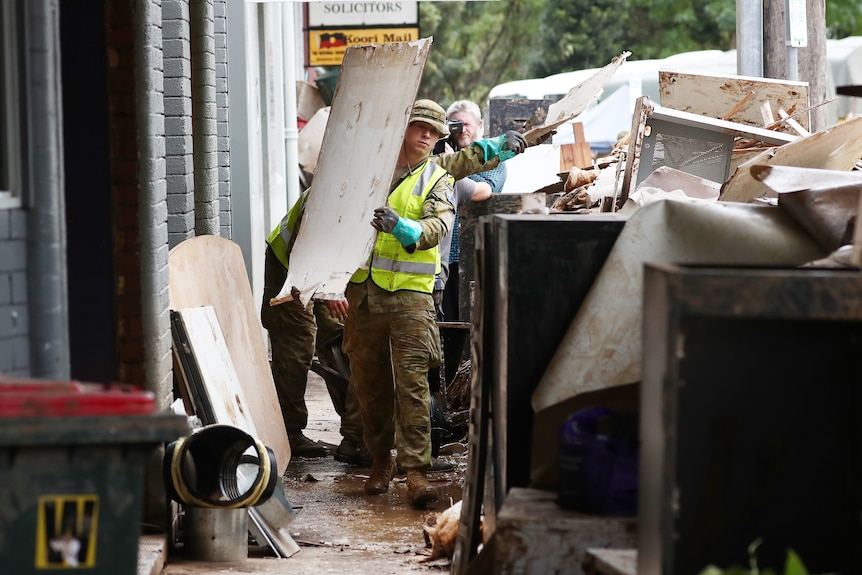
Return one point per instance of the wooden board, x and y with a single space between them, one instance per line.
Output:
209 270
578 153
220 379
370 109
715 96
584 94
611 562
837 148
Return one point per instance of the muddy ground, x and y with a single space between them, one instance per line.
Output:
338 528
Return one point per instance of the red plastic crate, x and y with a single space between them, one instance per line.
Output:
37 398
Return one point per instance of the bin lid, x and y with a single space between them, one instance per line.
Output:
37 398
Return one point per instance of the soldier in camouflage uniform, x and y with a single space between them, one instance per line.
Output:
295 332
390 333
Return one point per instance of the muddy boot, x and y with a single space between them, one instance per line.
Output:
382 470
301 446
421 493
353 452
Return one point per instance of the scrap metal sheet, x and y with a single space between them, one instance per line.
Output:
602 347
372 102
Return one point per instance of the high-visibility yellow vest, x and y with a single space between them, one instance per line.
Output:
279 238
391 266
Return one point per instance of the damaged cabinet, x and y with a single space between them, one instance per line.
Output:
751 419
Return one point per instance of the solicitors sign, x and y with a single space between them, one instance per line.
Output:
333 26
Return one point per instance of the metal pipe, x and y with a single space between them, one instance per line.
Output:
204 117
749 34
291 132
152 199
46 240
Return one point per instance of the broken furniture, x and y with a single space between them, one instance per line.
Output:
533 271
689 142
750 418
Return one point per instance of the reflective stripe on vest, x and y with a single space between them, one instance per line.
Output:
392 268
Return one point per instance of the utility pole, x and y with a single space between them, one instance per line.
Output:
810 65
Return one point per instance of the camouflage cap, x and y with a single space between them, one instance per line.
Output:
430 112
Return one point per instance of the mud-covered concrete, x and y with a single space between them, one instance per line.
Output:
340 529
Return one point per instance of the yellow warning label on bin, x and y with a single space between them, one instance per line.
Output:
66 530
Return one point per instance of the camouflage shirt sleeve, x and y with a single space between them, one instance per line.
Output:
466 161
438 213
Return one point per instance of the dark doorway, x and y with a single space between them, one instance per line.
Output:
88 190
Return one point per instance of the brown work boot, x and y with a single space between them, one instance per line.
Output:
421 493
382 470
301 446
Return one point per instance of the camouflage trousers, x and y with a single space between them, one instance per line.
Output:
295 334
390 354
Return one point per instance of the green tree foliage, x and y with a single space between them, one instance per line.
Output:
580 34
477 45
843 18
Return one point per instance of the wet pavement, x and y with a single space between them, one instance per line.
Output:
340 529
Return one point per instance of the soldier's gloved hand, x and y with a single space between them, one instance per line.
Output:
544 137
515 142
406 231
385 219
504 147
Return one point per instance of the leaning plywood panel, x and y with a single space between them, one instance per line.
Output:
210 271
836 148
602 347
375 93
729 97
578 99
223 389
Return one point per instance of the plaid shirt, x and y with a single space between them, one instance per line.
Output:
495 178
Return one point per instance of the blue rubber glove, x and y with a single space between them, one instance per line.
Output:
504 147
405 231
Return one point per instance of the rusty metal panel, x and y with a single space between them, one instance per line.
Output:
751 418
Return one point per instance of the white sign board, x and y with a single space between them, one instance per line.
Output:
797 24
362 13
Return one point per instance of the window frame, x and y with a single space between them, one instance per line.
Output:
11 135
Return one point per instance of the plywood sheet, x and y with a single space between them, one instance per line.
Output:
837 148
584 94
716 96
375 93
220 379
210 271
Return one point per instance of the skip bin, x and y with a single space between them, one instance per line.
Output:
72 459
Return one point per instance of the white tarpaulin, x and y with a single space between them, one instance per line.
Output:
602 347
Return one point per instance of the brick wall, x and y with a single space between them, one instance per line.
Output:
14 343
178 120
225 223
